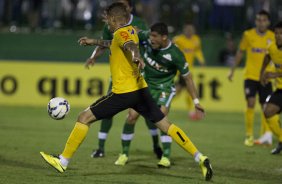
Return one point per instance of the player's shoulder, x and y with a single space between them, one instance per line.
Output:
249 32
196 37
270 34
175 51
272 46
138 21
125 32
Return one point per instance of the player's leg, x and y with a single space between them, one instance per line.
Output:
105 107
272 108
127 136
183 140
155 138
149 109
76 137
105 127
266 136
251 88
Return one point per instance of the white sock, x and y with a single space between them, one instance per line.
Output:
64 161
197 156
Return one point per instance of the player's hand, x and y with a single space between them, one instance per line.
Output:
139 61
265 77
200 111
230 75
84 41
104 17
89 62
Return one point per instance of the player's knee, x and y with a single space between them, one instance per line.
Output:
84 118
131 119
268 112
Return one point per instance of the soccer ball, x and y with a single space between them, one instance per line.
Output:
58 108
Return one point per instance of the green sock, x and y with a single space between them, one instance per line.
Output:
106 125
166 142
127 136
154 133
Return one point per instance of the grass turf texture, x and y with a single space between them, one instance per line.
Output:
25 131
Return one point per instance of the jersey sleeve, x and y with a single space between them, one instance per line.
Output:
122 37
181 64
107 35
243 43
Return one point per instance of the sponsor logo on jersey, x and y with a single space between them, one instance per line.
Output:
258 50
154 64
168 57
124 35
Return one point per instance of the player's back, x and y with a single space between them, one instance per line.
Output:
255 45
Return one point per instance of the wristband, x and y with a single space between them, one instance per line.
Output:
196 101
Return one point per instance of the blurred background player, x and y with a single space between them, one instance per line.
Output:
190 44
162 61
107 123
273 104
254 42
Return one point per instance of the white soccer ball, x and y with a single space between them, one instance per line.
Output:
58 108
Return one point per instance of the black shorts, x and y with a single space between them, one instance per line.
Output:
252 87
140 100
275 98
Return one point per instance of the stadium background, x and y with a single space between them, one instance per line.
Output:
45 33
40 58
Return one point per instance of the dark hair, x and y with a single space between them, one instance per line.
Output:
117 9
265 13
160 28
278 25
129 2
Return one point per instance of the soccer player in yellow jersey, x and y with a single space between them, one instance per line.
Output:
129 91
274 101
190 44
254 43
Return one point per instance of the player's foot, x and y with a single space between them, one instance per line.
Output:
249 141
98 153
122 160
164 162
53 161
159 152
265 139
278 149
206 167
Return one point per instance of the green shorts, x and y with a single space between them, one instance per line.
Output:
163 97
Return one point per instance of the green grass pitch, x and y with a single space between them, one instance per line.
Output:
25 131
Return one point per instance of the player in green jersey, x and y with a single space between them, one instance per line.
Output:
163 59
106 124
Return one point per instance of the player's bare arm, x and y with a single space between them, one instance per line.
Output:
193 92
98 51
85 41
266 61
238 59
134 50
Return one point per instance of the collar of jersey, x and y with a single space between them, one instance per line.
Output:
166 46
130 20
